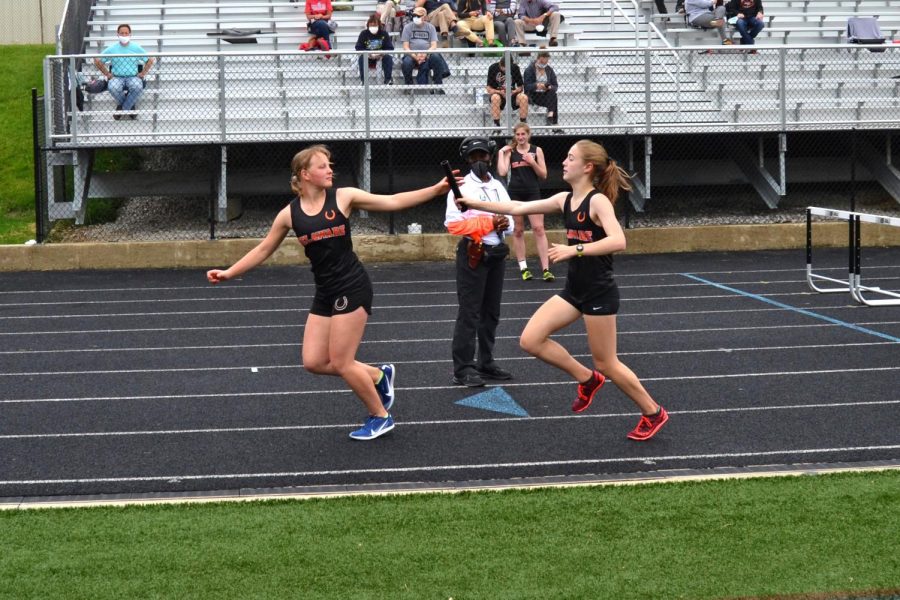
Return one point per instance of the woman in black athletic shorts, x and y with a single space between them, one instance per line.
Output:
320 217
526 167
593 235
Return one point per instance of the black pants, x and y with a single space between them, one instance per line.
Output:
661 7
547 100
479 292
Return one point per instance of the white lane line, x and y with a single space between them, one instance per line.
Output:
301 310
243 285
299 366
628 415
542 291
213 347
436 321
477 466
230 395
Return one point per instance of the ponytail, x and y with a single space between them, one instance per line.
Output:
613 179
608 177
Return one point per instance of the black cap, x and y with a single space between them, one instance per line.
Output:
471 144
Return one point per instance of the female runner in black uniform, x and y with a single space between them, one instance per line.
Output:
526 167
320 217
593 235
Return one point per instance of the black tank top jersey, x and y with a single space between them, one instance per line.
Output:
325 238
522 177
588 275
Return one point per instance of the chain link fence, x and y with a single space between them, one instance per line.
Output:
721 137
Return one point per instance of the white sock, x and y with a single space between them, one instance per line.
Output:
523 264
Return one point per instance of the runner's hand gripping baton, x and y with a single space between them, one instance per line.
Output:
451 179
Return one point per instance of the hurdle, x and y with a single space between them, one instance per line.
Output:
853 284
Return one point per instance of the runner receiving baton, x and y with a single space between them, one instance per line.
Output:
593 235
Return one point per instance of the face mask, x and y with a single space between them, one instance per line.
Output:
124 39
373 30
480 169
417 20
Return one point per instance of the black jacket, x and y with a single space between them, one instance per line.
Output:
530 77
734 7
467 6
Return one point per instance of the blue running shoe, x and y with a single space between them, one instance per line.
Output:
373 427
385 387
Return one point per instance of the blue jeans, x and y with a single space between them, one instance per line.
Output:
387 66
126 91
749 28
319 28
434 63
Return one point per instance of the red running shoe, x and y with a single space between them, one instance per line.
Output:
648 426
587 391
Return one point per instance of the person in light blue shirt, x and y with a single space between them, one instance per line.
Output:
125 73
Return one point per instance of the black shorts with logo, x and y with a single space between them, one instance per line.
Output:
343 302
603 302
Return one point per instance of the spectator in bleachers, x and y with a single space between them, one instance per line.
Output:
125 74
442 14
541 86
539 16
417 37
707 14
496 87
318 16
476 17
387 12
504 13
377 41
749 23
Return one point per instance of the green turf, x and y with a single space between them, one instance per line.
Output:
20 70
809 534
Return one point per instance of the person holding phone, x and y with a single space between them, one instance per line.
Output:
319 215
593 235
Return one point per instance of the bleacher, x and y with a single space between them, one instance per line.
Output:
266 91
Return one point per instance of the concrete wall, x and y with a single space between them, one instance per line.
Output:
30 21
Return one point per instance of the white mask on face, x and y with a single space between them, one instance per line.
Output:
124 39
373 30
417 20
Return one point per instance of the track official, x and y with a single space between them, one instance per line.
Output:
480 267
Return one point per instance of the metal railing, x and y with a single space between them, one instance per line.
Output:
217 98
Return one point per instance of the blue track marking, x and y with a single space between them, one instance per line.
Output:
495 399
794 308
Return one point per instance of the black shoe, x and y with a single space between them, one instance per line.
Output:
469 379
115 115
494 372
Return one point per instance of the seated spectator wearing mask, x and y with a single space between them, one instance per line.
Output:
125 73
541 86
375 39
538 16
417 37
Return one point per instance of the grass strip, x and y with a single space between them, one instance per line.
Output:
20 70
709 539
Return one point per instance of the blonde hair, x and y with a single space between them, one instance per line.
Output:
608 177
302 160
521 125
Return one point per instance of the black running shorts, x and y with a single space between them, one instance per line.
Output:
602 303
344 302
